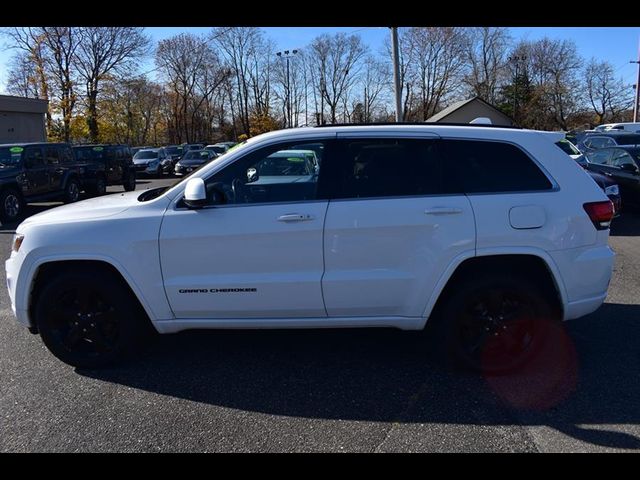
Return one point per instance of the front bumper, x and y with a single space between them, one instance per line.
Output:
146 169
12 268
181 170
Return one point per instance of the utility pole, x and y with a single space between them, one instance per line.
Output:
286 55
635 103
396 72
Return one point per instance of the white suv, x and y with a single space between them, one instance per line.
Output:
486 232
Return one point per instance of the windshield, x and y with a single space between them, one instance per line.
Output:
145 155
10 156
281 165
196 155
216 148
567 147
174 150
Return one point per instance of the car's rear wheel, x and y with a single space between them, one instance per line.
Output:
72 191
88 319
496 324
129 183
100 187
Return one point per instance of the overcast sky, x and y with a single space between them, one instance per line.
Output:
618 45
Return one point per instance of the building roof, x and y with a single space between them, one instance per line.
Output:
442 114
10 103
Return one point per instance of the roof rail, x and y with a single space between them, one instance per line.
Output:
446 124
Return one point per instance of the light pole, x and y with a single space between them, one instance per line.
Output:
396 72
287 54
635 103
517 59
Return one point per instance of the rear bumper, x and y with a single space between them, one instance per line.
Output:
586 273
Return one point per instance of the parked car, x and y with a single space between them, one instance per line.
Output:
624 126
35 172
192 160
150 161
228 144
622 165
486 234
593 141
217 149
106 164
174 154
135 150
192 146
609 186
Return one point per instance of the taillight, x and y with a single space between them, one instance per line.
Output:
600 213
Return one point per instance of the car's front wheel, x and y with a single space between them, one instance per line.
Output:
88 319
11 206
496 324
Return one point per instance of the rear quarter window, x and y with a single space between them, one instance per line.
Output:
476 166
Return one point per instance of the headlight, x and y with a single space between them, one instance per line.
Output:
153 163
612 190
17 242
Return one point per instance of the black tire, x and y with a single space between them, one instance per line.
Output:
494 324
11 205
71 191
88 319
129 182
99 188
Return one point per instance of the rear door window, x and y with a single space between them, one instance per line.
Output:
52 155
599 157
383 167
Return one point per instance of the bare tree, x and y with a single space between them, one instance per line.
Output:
132 107
487 57
62 43
608 97
336 62
31 41
240 47
23 76
193 74
375 81
438 61
555 65
103 51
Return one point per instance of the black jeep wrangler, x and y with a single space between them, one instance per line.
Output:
34 172
106 165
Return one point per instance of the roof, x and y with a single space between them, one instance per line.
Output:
28 144
10 103
458 105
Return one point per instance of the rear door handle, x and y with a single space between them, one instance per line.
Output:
295 217
442 211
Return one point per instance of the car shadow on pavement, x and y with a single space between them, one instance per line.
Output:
626 225
585 379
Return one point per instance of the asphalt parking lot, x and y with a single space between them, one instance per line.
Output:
333 391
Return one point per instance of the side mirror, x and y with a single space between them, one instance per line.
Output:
629 167
252 175
195 193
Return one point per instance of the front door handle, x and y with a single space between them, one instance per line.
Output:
295 217
442 211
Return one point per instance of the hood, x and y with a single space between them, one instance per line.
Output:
192 162
98 207
144 161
